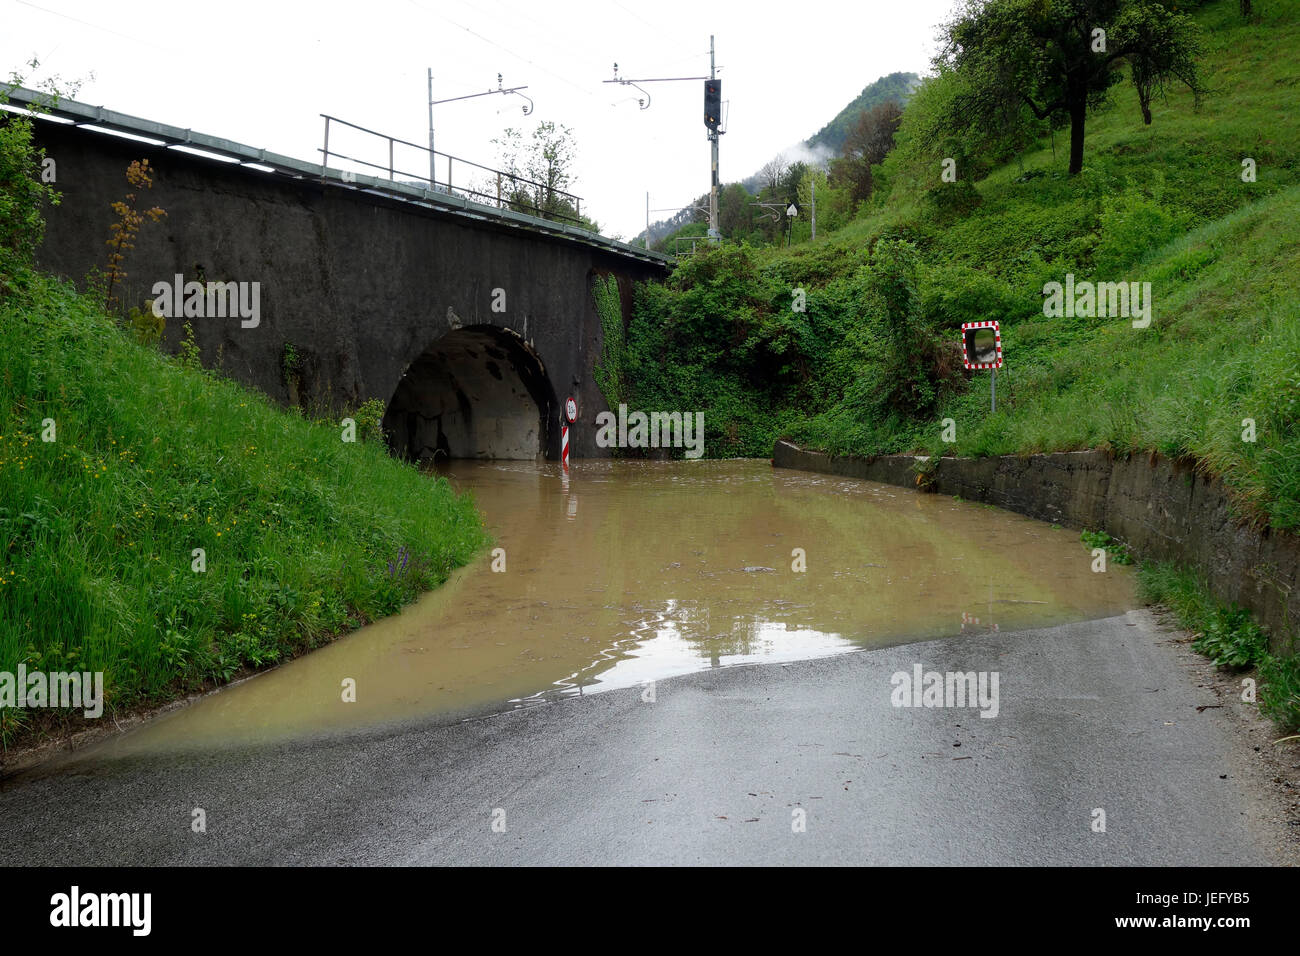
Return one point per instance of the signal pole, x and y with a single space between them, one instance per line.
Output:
712 119
715 234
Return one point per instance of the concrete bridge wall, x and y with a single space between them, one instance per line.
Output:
366 289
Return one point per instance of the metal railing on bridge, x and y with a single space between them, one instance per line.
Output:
686 246
512 191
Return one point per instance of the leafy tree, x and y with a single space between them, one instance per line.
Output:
937 126
1061 57
896 303
735 214
834 203
779 183
870 140
23 189
541 171
788 188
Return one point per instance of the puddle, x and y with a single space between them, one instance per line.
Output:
626 572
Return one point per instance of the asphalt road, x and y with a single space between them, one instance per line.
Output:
1098 715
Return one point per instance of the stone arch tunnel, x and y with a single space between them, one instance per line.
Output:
471 324
476 392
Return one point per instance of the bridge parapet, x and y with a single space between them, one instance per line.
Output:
262 161
472 324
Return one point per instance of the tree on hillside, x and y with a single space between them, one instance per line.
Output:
787 189
779 184
735 214
24 190
867 145
1062 58
773 171
897 87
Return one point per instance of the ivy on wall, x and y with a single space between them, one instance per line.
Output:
610 372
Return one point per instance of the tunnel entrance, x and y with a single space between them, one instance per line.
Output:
477 392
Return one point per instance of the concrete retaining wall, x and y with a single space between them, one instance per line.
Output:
1160 508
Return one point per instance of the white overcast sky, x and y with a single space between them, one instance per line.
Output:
261 73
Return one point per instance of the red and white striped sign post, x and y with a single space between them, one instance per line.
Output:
571 416
977 352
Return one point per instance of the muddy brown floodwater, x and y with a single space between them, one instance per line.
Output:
627 572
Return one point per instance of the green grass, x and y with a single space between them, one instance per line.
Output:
1222 348
305 536
1227 636
1163 204
1118 552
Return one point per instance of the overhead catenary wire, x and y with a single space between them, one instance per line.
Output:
95 26
676 38
551 40
567 52
518 56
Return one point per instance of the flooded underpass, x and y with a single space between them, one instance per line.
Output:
622 573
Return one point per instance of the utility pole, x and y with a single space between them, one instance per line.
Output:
813 180
715 235
647 219
433 180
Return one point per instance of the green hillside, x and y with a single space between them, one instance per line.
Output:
896 86
873 365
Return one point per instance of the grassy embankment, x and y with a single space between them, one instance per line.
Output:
873 365
1163 204
303 534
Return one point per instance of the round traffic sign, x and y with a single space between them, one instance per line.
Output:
571 409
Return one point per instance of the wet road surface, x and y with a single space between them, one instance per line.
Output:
806 762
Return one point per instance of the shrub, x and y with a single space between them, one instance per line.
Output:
369 418
1118 551
1279 691
1130 227
910 350
147 327
22 193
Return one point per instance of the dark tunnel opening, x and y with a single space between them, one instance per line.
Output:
477 392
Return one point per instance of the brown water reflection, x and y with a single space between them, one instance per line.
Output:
626 572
